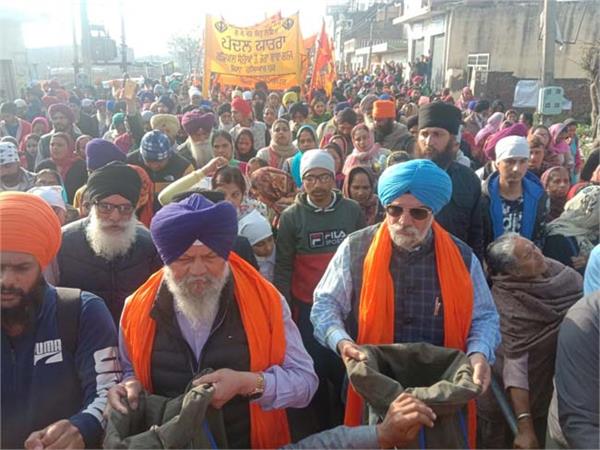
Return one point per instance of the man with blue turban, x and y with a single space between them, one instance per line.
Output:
208 308
407 280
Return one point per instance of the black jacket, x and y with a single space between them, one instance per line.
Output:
113 281
462 216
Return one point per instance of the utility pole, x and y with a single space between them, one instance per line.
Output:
123 44
86 42
75 48
370 45
549 42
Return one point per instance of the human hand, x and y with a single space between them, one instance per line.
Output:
349 351
403 420
482 374
228 383
579 261
526 437
61 434
213 165
128 389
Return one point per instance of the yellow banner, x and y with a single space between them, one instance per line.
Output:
270 52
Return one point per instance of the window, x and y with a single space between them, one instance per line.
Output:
478 65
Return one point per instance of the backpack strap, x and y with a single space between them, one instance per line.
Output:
68 310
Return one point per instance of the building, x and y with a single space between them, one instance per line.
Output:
364 33
490 45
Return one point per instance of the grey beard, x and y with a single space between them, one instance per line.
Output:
199 309
110 245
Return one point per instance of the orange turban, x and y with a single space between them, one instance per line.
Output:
29 225
384 109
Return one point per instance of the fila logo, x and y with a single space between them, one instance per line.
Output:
330 238
49 351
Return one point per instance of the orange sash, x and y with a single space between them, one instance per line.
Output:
376 307
262 316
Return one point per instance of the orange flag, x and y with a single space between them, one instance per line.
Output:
323 74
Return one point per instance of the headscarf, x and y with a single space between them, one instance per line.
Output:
29 225
580 219
518 129
492 125
145 204
64 165
421 178
371 206
43 121
248 156
179 225
362 158
557 205
282 151
295 161
559 147
274 187
465 97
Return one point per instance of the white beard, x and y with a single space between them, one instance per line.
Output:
106 244
201 152
199 309
403 241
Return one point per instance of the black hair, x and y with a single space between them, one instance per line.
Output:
223 134
227 175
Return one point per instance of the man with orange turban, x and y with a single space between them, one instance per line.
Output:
388 133
58 346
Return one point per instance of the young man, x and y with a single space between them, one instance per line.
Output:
54 380
12 176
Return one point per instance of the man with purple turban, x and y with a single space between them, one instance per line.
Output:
63 120
208 308
197 149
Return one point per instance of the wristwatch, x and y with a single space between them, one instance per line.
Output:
259 389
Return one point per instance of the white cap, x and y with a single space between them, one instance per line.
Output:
8 153
254 227
51 195
20 103
316 159
194 92
512 147
247 95
87 103
236 93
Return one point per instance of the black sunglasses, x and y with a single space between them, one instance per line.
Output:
415 213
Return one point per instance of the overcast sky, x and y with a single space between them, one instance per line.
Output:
149 23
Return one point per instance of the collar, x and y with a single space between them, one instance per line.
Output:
327 208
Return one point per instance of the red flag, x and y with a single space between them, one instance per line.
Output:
323 74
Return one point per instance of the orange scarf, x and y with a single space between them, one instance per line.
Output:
261 311
376 308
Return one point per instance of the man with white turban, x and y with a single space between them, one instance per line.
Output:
407 280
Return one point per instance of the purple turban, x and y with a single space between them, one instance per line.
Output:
63 109
195 120
99 152
177 226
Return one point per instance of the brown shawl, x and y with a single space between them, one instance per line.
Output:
531 310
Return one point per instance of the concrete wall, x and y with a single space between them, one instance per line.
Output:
509 32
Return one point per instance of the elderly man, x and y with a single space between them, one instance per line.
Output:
439 128
242 116
513 198
59 347
389 133
197 149
13 177
309 233
532 294
63 120
207 308
108 253
158 158
407 280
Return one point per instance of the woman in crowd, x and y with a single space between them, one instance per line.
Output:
559 135
359 186
556 184
80 144
40 126
275 189
319 113
244 145
281 147
28 151
366 152
307 140
338 157
492 126
572 236
551 158
222 146
71 168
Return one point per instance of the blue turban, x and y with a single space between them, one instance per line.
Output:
178 225
420 177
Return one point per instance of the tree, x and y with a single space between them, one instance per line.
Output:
186 49
590 63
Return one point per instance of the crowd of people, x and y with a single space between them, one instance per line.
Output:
265 242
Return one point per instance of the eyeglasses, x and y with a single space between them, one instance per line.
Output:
108 208
415 213
323 178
